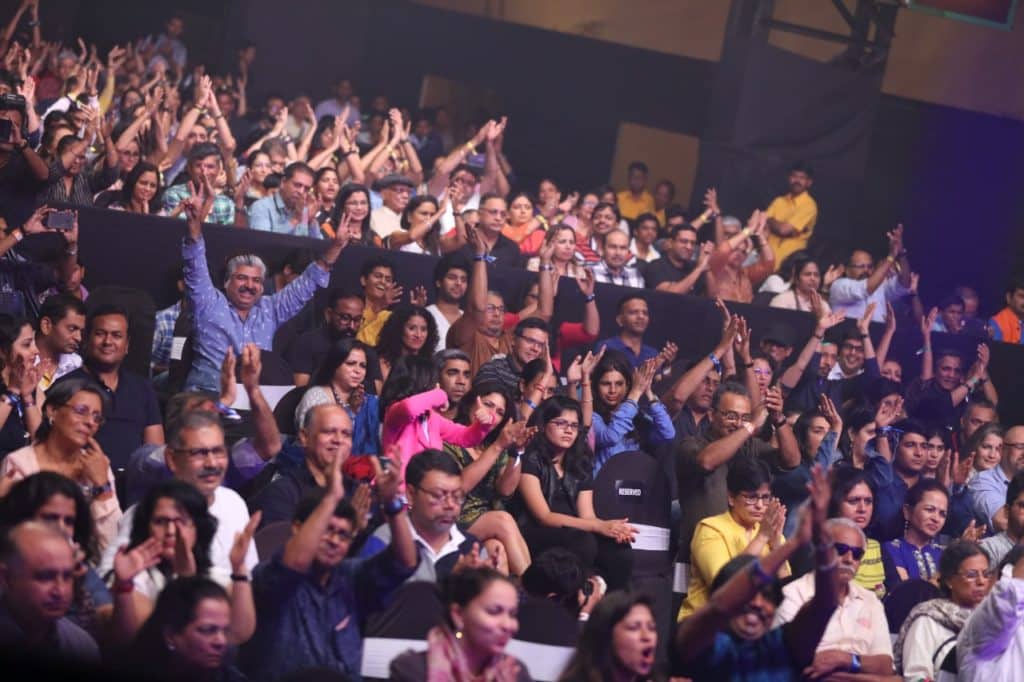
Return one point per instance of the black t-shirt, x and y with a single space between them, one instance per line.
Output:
506 253
560 503
308 350
663 270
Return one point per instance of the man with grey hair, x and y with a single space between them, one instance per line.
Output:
326 435
241 314
196 454
37 577
857 637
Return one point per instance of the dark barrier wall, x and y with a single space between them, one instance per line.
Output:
144 252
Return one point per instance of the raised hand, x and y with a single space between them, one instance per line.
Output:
588 283
864 323
667 355
184 541
834 272
704 255
915 280
228 386
895 238
643 376
773 401
95 464
773 521
831 414
418 296
973 532
252 366
470 560
569 203
711 200
741 342
928 322
888 413
890 318
356 398
590 361
361 500
128 563
240 547
482 414
393 294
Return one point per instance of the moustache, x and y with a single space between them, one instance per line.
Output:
248 290
213 471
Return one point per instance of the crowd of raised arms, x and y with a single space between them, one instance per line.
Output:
834 515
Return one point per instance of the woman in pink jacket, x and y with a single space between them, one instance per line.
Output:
410 404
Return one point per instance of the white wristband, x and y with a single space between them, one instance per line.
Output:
749 427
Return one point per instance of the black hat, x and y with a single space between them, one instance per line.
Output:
394 179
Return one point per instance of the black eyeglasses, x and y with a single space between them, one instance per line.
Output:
842 548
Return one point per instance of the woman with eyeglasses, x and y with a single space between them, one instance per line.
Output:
853 498
65 443
354 201
490 474
557 490
751 525
619 423
916 554
172 530
929 633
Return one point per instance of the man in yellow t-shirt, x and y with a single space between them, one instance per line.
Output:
791 217
636 199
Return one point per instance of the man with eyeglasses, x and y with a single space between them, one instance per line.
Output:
989 488
676 272
395 191
857 637
134 418
941 394
433 480
380 291
342 319
530 342
864 282
196 453
978 413
326 434
490 243
703 461
311 597
484 330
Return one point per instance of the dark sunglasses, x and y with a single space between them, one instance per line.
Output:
842 548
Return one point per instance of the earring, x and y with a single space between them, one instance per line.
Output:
170 647
458 634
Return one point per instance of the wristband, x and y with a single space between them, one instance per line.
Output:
98 490
820 338
758 575
394 507
780 423
855 665
716 362
18 234
749 427
529 403
124 586
748 365
239 578
589 298
487 258
546 267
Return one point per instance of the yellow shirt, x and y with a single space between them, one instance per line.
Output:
369 330
802 213
716 540
630 208
871 574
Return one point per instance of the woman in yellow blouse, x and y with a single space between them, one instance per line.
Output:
752 525
853 498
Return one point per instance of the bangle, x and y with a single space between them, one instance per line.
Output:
548 267
239 578
532 405
747 365
746 231
18 233
124 586
716 362
589 298
98 490
470 148
780 423
350 152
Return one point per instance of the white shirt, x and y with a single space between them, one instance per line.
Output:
232 516
443 325
990 648
925 648
384 221
448 217
857 626
851 296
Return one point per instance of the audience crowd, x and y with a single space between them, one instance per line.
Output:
834 515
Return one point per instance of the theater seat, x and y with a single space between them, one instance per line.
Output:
271 538
904 597
547 637
284 411
413 610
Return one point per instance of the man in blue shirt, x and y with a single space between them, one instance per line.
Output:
311 600
241 314
633 319
288 211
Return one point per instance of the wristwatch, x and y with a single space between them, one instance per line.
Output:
395 506
855 665
98 490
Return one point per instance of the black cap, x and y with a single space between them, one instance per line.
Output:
394 179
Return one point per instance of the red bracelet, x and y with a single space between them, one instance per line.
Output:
124 586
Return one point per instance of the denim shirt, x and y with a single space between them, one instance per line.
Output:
269 214
303 624
618 434
216 323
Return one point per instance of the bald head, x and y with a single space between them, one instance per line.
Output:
1012 459
326 434
37 568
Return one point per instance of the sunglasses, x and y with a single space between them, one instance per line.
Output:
842 548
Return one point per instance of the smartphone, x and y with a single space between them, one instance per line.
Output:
6 129
60 220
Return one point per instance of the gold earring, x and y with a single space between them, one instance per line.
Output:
458 634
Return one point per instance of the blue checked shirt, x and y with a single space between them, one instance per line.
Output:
216 324
163 335
269 214
222 213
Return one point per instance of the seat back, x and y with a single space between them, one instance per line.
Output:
271 538
633 485
141 321
904 597
411 612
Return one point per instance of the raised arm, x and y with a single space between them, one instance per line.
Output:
267 437
440 177
795 372
927 357
882 268
676 396
476 302
493 179
300 550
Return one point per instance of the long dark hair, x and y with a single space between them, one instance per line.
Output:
464 413
175 608
433 236
845 479
802 428
594 660
10 330
389 343
61 393
409 375
578 459
366 234
133 179
462 587
338 353
193 503
25 497
613 361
